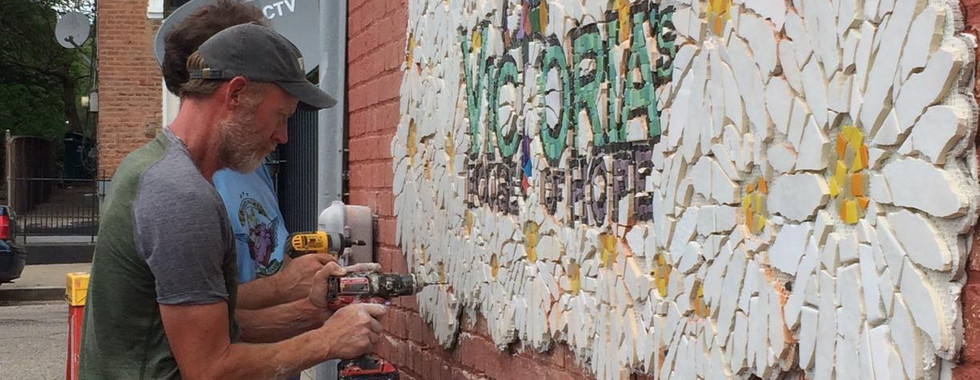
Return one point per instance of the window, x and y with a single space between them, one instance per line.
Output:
171 5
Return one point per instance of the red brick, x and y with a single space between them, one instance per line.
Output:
417 358
386 348
973 261
459 373
971 322
383 87
376 175
433 365
481 354
371 148
404 354
409 302
416 328
968 371
129 85
383 117
394 323
395 259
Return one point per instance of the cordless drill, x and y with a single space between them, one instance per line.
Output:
301 243
370 287
356 288
374 288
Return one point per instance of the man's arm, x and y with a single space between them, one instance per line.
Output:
292 283
198 336
280 322
287 320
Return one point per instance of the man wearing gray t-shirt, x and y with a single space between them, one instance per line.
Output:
162 294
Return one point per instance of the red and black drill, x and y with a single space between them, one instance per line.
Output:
373 288
356 288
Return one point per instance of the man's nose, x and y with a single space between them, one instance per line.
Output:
282 134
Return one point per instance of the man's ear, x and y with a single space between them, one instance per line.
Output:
234 91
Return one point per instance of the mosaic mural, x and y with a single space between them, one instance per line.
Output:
693 189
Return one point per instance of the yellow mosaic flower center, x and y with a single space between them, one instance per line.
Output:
848 182
411 146
531 240
661 273
409 55
719 11
574 277
755 212
701 308
608 249
494 266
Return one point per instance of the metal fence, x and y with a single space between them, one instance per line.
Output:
64 208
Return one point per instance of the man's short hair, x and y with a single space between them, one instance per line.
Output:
186 37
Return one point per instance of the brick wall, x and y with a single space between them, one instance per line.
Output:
376 51
969 368
129 81
376 42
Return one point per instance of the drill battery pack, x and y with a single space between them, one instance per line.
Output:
367 368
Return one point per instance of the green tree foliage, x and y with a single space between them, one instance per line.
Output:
41 82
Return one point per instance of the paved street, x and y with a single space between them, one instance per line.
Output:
32 340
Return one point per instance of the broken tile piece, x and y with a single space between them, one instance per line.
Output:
813 152
937 131
917 184
923 89
928 311
797 197
920 240
808 336
907 338
789 247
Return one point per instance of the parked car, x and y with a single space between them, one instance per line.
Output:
12 256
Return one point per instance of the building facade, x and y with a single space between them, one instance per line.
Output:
650 189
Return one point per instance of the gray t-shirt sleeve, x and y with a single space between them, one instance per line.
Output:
181 232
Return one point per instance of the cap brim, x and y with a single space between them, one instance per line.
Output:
310 96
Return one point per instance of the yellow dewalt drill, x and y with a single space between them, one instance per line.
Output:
302 243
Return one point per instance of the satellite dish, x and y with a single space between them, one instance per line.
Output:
73 30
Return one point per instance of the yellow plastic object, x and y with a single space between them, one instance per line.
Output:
309 242
76 287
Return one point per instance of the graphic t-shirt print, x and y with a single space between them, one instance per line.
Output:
261 236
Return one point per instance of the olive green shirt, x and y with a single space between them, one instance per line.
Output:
164 238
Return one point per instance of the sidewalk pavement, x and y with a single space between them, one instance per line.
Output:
40 283
57 240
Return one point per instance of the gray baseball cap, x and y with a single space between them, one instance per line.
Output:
260 54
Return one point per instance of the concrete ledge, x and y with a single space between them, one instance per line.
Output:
31 294
59 253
